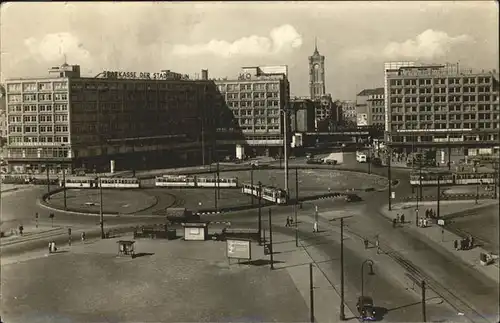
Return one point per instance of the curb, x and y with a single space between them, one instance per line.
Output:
40 235
10 190
452 197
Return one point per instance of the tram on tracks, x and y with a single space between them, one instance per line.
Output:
194 181
272 194
459 178
106 182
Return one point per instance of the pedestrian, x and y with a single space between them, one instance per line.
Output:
315 226
461 244
394 223
291 220
50 247
420 222
471 242
427 213
377 244
83 236
287 222
397 218
21 229
365 241
402 218
455 244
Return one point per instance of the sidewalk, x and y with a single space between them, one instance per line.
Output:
433 232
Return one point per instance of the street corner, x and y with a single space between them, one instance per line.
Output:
113 201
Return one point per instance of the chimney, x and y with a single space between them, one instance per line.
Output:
204 75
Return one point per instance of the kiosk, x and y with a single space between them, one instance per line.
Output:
195 231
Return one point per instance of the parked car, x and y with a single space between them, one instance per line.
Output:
365 308
352 198
331 162
310 155
314 161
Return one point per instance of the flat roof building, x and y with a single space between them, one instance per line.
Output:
255 99
370 108
69 121
440 103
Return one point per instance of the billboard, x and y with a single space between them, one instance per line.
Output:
239 249
362 119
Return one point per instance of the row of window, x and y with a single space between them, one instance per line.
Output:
247 128
480 116
440 81
442 90
38 152
256 112
250 96
248 87
33 139
444 125
19 129
34 86
17 98
443 98
39 118
139 86
38 108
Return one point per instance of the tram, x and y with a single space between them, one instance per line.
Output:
272 194
461 178
193 181
106 182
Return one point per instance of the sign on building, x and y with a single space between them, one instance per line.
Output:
362 119
239 249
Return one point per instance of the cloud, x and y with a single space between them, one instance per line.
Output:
53 47
281 39
429 44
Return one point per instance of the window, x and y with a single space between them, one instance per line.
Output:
60 96
44 97
14 98
46 86
61 117
60 107
60 85
29 87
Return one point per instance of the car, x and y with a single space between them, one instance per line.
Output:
314 161
352 198
331 162
310 155
365 308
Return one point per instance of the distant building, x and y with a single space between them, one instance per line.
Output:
438 103
67 121
3 117
255 99
370 108
302 118
348 112
317 86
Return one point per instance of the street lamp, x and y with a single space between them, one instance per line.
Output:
342 294
285 146
101 213
370 272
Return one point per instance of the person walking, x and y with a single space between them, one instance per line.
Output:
315 226
83 236
402 218
394 223
287 222
455 244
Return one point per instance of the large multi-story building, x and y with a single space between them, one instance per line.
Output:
3 117
68 121
317 86
440 103
257 100
370 108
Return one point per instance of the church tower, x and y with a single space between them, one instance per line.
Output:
316 74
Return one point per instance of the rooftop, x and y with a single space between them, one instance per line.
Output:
376 91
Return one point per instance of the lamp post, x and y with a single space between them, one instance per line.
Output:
101 214
438 196
389 176
342 291
311 293
64 186
251 182
370 267
259 192
271 256
48 181
285 147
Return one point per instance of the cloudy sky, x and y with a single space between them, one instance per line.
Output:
356 37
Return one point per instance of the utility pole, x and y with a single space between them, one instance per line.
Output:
285 147
438 196
215 192
311 292
424 316
296 186
271 241
342 312
64 186
389 176
251 183
259 192
218 176
296 226
101 214
48 181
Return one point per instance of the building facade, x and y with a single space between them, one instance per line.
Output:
67 121
303 115
436 103
257 100
370 108
3 117
348 108
317 86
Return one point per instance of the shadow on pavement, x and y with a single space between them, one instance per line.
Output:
260 262
142 254
380 312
